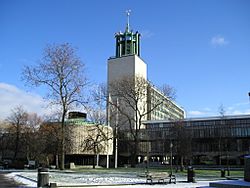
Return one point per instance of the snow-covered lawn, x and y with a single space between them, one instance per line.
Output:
99 180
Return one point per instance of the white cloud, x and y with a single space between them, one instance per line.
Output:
234 111
240 108
195 113
240 112
218 41
11 96
207 109
200 113
242 104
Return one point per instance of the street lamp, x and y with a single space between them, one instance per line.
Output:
171 157
116 132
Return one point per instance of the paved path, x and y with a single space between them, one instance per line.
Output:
6 182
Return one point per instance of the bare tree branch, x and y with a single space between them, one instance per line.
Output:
62 73
131 97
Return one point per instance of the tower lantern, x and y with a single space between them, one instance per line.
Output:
127 43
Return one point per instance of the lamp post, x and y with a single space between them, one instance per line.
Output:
116 133
147 164
171 157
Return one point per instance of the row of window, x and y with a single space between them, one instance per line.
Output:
226 145
220 122
223 146
161 132
221 132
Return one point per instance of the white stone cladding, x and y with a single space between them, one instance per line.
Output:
130 65
126 66
78 135
133 66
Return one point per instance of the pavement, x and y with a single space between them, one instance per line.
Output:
7 182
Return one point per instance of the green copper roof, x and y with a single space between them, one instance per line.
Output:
127 43
79 121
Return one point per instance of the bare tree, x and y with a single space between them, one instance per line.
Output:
62 72
221 110
181 138
98 136
31 139
168 91
96 108
18 120
6 139
50 132
224 142
130 104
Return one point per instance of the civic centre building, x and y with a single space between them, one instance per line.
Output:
86 139
85 142
212 140
127 62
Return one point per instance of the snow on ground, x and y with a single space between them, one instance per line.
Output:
15 176
99 180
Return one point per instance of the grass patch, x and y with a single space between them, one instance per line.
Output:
198 172
213 173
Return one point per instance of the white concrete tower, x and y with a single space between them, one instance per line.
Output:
126 62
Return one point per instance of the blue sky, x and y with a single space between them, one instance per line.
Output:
202 48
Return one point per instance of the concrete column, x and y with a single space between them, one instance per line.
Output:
107 161
97 159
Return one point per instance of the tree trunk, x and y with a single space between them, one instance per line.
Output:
62 156
182 163
63 142
17 142
47 161
94 161
133 158
57 163
220 152
27 153
177 163
134 154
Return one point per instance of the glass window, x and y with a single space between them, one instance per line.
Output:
248 131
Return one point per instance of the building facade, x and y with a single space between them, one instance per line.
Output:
214 140
86 140
167 110
84 136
